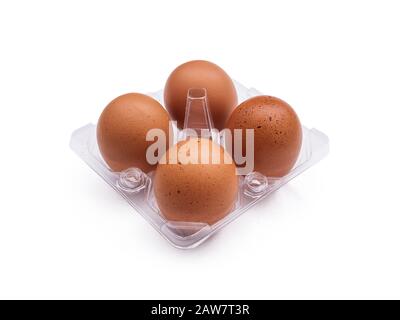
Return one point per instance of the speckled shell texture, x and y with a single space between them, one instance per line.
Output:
277 133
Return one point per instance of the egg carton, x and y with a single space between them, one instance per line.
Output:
137 187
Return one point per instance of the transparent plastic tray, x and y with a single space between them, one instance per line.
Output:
137 187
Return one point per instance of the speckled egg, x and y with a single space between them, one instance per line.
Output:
277 133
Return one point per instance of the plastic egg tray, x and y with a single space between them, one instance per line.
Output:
137 187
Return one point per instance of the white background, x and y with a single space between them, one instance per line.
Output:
333 232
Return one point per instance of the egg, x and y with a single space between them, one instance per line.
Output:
189 187
277 133
122 129
221 92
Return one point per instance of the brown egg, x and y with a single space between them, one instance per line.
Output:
192 191
122 129
277 133
221 92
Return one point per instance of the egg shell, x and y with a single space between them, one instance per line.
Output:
122 129
195 192
221 92
277 133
